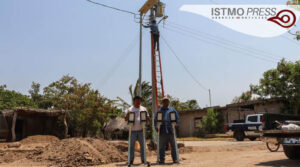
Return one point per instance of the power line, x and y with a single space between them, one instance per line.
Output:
111 7
225 41
231 45
222 45
119 61
183 65
292 41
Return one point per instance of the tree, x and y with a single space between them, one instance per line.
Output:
293 2
282 82
34 92
89 111
146 92
10 99
183 106
209 123
246 96
38 98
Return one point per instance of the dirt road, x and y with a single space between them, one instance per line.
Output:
50 151
227 154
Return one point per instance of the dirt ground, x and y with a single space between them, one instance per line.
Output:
50 151
225 154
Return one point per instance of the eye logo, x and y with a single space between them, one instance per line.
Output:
284 18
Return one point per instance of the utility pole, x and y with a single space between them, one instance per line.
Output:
144 9
154 102
140 61
209 97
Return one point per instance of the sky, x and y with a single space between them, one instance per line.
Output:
42 40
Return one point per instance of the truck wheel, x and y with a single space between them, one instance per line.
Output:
292 152
239 135
252 138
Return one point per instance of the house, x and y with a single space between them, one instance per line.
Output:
189 120
239 111
22 122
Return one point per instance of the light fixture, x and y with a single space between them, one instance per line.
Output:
131 118
143 116
173 117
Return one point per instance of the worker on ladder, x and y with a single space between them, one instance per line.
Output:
155 33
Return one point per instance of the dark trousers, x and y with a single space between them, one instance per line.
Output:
136 136
156 41
163 140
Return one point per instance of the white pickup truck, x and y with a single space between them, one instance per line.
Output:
250 128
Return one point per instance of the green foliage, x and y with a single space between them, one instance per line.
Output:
293 2
89 110
210 123
184 106
246 96
146 92
282 82
40 100
10 99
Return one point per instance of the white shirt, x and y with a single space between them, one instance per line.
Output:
137 124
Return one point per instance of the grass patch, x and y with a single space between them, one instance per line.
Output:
205 139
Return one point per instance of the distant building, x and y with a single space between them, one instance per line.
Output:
189 120
22 122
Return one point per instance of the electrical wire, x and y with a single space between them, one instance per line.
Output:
111 7
220 45
224 41
290 40
183 65
119 61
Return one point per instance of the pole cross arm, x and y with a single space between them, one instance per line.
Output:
147 6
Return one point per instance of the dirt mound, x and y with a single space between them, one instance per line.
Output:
78 152
39 139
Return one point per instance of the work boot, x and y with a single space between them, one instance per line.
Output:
161 162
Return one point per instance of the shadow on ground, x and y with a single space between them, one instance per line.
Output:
152 164
281 163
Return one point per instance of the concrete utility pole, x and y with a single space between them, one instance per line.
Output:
209 97
140 61
154 102
144 9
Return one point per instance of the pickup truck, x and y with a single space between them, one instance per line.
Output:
285 130
250 128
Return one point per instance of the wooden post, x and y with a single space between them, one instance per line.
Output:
66 126
7 128
13 127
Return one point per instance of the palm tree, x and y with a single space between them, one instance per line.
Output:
146 92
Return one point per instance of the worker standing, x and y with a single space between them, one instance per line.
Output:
155 33
166 134
137 129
